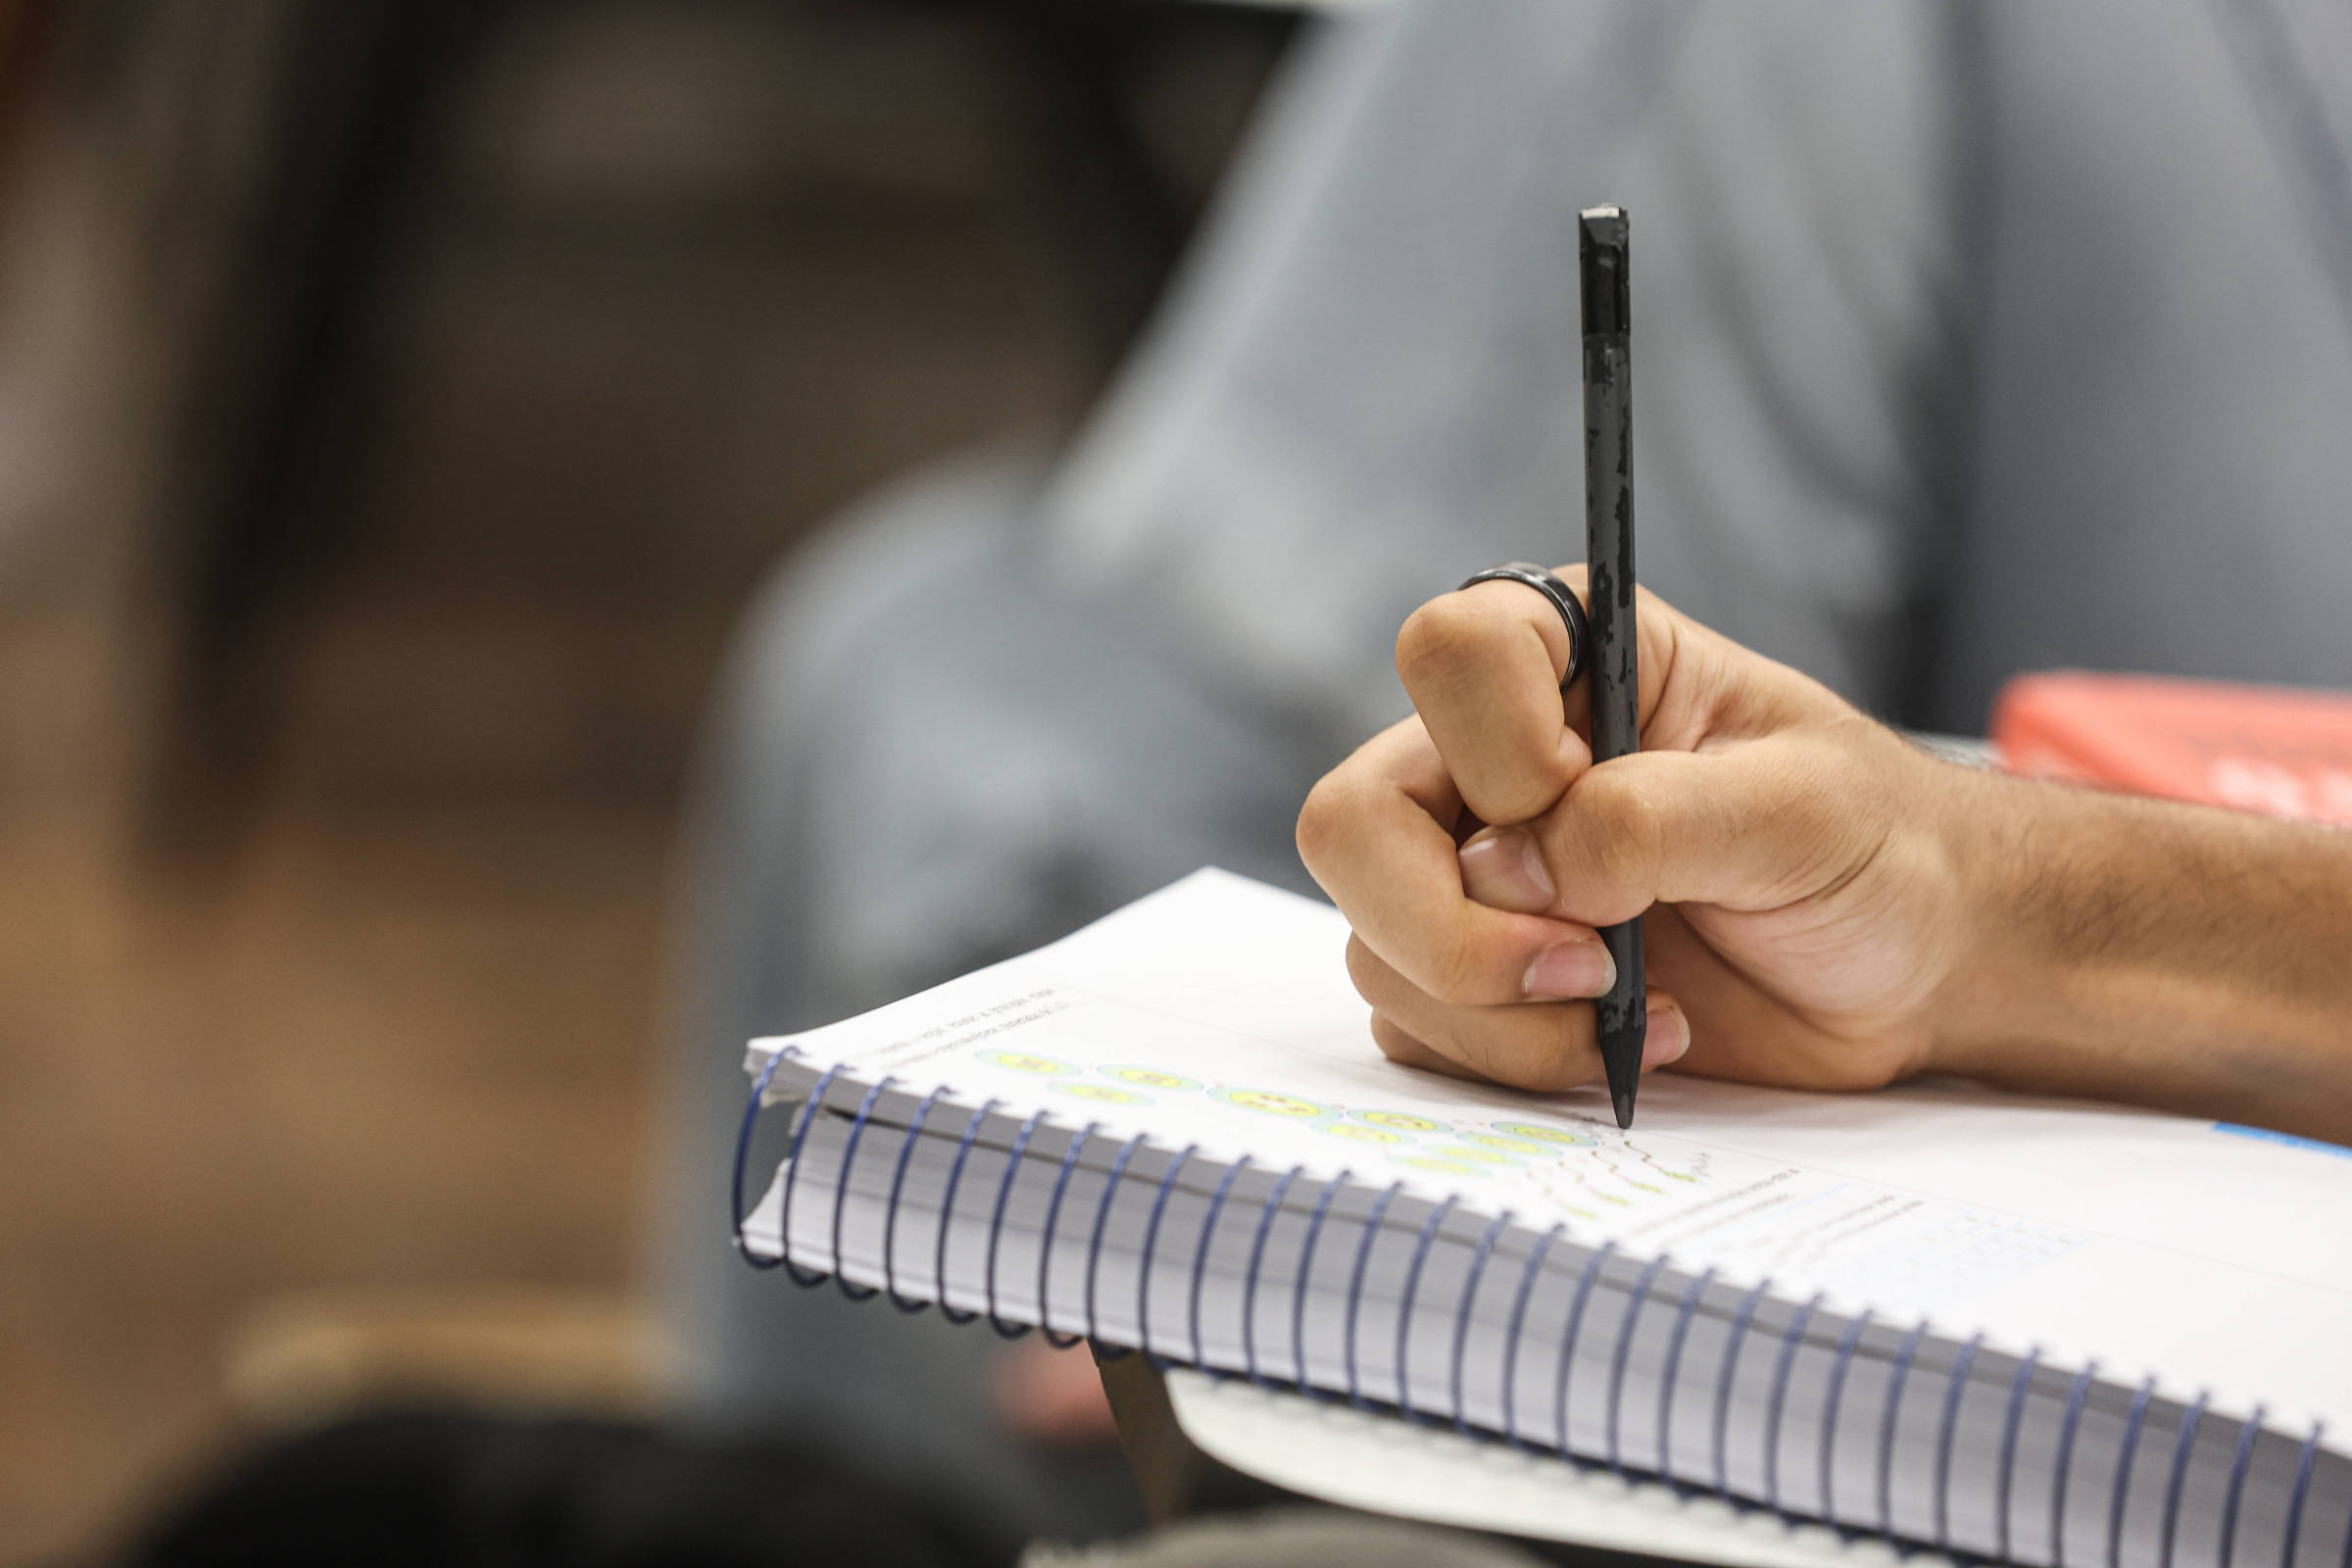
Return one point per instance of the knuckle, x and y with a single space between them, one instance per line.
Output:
1454 970
1442 635
1567 1059
1625 829
1323 822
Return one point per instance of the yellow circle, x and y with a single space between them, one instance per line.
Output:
1024 1062
1400 1121
1542 1133
1273 1103
1450 1167
1103 1092
1148 1078
1365 1135
1480 1157
1509 1146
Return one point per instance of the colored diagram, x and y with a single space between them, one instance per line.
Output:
1271 1104
1026 1061
1151 1078
1546 1133
1447 1167
1665 1170
1509 1146
1400 1121
1104 1093
1463 1154
1358 1132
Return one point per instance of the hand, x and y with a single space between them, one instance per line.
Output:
1807 918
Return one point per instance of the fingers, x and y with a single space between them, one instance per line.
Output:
1482 667
1377 833
1406 1052
1540 1047
1754 826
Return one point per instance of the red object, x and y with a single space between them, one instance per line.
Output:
2268 748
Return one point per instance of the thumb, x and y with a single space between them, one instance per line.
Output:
1750 825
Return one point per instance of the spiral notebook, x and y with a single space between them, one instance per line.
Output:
2029 1331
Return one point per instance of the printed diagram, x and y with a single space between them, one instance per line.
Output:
1802 1226
1588 1168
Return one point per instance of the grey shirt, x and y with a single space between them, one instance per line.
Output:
1970 338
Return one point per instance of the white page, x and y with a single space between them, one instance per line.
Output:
1218 1012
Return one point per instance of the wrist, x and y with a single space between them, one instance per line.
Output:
2166 955
1983 824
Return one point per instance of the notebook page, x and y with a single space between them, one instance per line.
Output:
1218 1013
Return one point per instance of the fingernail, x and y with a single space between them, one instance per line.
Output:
1505 871
1571 969
1667 1038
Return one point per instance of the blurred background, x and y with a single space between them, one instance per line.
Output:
397 401
401 400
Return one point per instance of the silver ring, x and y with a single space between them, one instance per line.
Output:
1563 598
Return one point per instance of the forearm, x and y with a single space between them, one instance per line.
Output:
2141 951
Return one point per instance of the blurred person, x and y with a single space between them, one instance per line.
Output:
1972 338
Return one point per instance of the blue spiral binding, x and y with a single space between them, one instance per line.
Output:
1208 1230
1510 1338
947 1213
2183 1447
996 1233
1355 1283
1142 1279
1094 1244
1576 1328
1847 1343
2240 1464
2061 1467
849 1163
1623 1352
2019 1389
890 1216
1257 1255
1045 1252
1955 1384
805 1278
1404 1307
742 1156
1719 1428
1900 1375
2116 1501
1776 1403
1692 1295
1462 1313
2294 1502
1306 1264
1692 1301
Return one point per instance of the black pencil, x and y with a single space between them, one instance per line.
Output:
1621 1015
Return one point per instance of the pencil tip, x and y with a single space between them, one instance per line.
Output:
1624 1099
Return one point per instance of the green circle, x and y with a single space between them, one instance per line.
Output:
1030 1062
1359 1133
1268 1102
1450 1168
1509 1146
1151 1078
1400 1121
1543 1132
1102 1092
